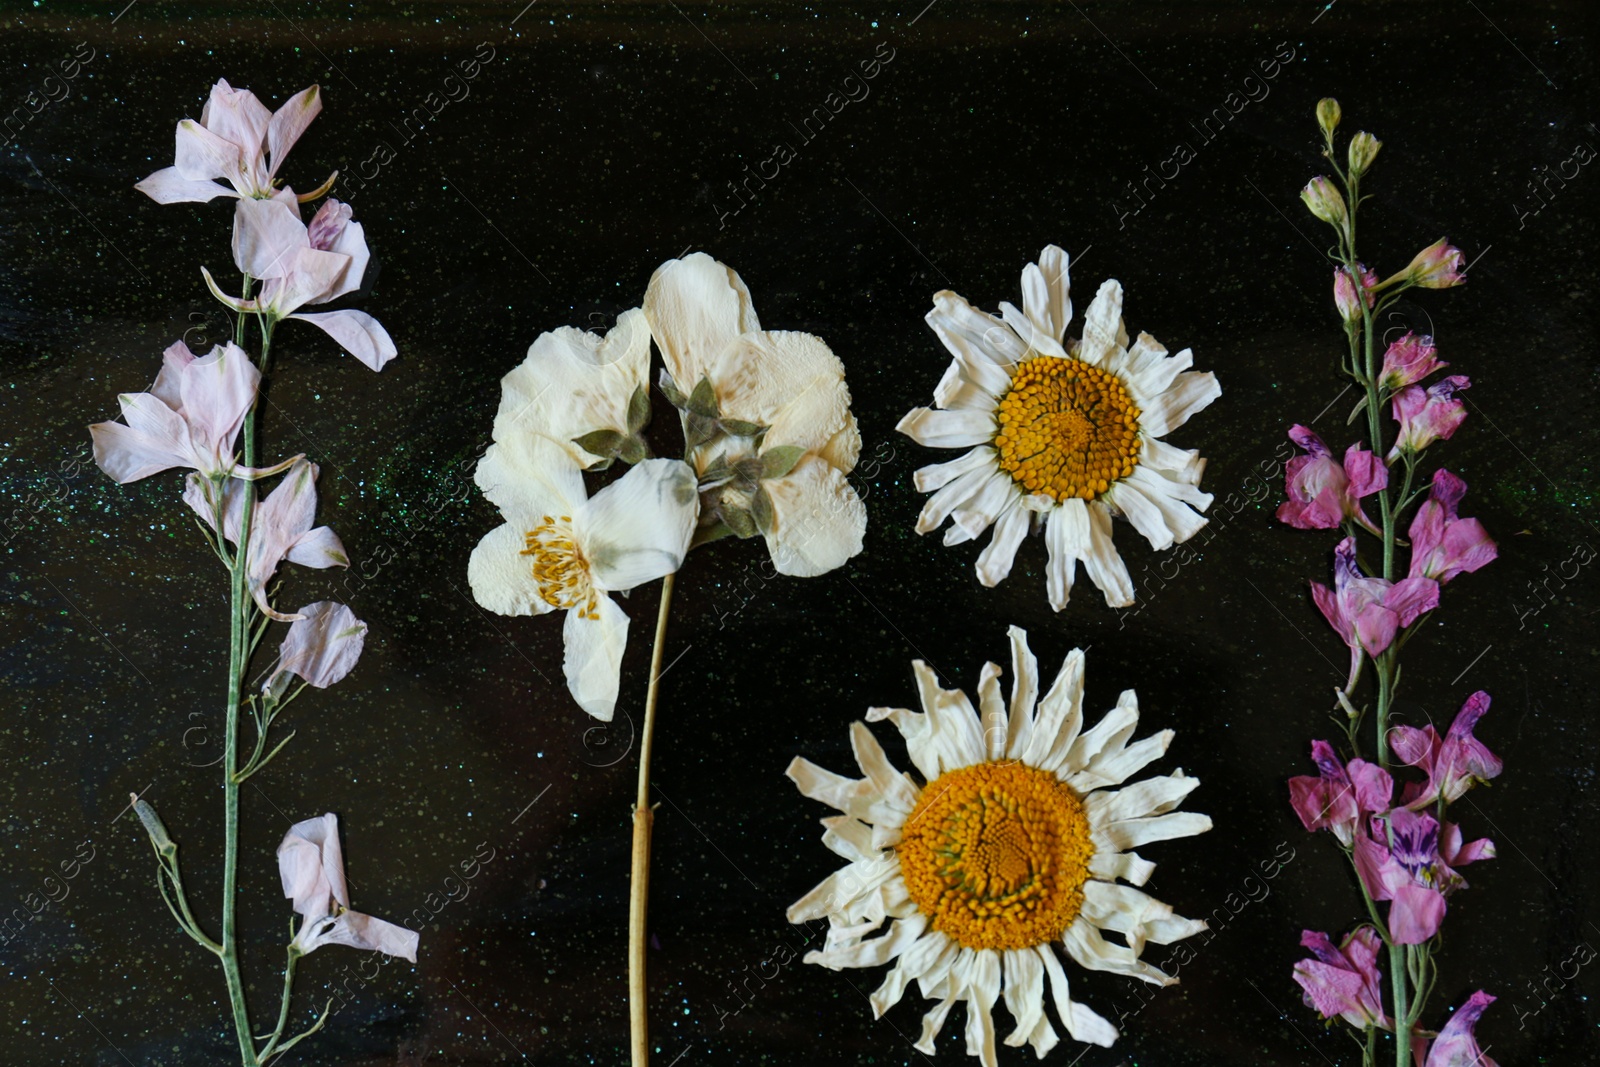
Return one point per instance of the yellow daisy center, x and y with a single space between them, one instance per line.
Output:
1066 429
996 855
560 567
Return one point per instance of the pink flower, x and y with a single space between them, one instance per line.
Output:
1368 612
1428 415
1344 292
280 529
1344 982
1455 853
321 648
1456 1045
1408 361
1436 267
237 139
1453 764
311 867
188 419
300 264
1323 493
1442 545
1411 874
1340 797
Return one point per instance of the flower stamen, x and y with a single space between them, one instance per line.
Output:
560 567
1066 429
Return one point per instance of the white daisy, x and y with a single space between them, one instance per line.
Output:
1063 433
1015 842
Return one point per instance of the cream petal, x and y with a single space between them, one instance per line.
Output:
1024 688
932 1023
501 577
1151 381
958 391
1129 866
819 783
1083 1024
995 561
953 722
938 475
1091 951
877 951
957 492
1145 516
818 520
1114 767
982 991
790 382
992 710
870 757
637 529
840 891
1192 391
696 307
986 347
1045 292
1122 909
947 429
1152 796
1103 334
1038 341
1101 561
843 449
848 837
1179 464
1111 732
1131 833
528 476
1173 928
593 660
1060 717
1066 527
1145 355
996 495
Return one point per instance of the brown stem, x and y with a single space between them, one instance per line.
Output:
643 819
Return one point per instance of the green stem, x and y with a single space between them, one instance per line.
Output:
1370 1053
283 1008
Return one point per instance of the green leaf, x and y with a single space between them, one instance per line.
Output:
638 410
761 510
633 450
670 390
703 401
739 521
776 462
740 428
699 430
704 535
602 443
716 472
746 473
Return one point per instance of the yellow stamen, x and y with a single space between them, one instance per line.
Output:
996 855
560 568
1066 429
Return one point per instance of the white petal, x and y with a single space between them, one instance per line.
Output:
892 784
992 709
1090 950
696 306
1024 689
876 951
501 577
1045 289
1131 833
528 476
1191 392
357 333
1129 866
1066 528
957 493
1038 341
1111 732
818 521
932 1023
1060 717
593 660
168 186
1100 560
1180 464
1024 992
1153 796
840 891
819 783
1148 380
1145 516
982 992
355 930
997 494
637 529
986 347
995 561
1114 767
938 475
1103 334
1081 1023
790 382
957 390
948 429
953 721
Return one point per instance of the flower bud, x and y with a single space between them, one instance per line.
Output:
1323 198
1328 115
1344 292
1363 150
153 826
1436 267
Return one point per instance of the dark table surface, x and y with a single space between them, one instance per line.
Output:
598 141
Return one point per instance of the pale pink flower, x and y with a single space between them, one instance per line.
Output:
1454 763
1340 797
1443 545
321 648
1428 415
1456 1045
299 265
1408 361
311 867
1322 492
280 528
1436 267
1368 612
238 139
1344 982
189 418
1350 305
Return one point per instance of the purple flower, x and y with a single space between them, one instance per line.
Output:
1368 612
1411 875
1442 545
1453 764
188 419
1456 1045
1344 982
1344 292
1428 415
1408 361
1340 797
1322 492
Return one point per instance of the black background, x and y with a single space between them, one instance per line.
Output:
597 143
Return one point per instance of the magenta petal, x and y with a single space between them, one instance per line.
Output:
1370 858
1373 786
1411 597
1415 913
1375 627
1456 1045
1366 472
1307 439
1414 747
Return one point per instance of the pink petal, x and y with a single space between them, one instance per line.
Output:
289 122
1375 628
318 548
1411 597
324 645
199 154
127 455
358 333
266 238
356 930
1414 747
168 186
1415 914
1366 472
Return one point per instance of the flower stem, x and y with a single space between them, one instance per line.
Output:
643 819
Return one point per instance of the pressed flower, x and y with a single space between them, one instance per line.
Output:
1398 860
1325 201
321 648
1340 798
1323 493
1013 844
1344 981
561 549
1345 297
1454 763
1436 267
238 139
1442 544
1428 415
1368 612
189 418
1063 434
311 867
280 529
1456 1045
767 416
1408 361
300 264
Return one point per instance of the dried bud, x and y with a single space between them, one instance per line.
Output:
1344 292
1436 267
1328 116
1363 150
1323 198
153 826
